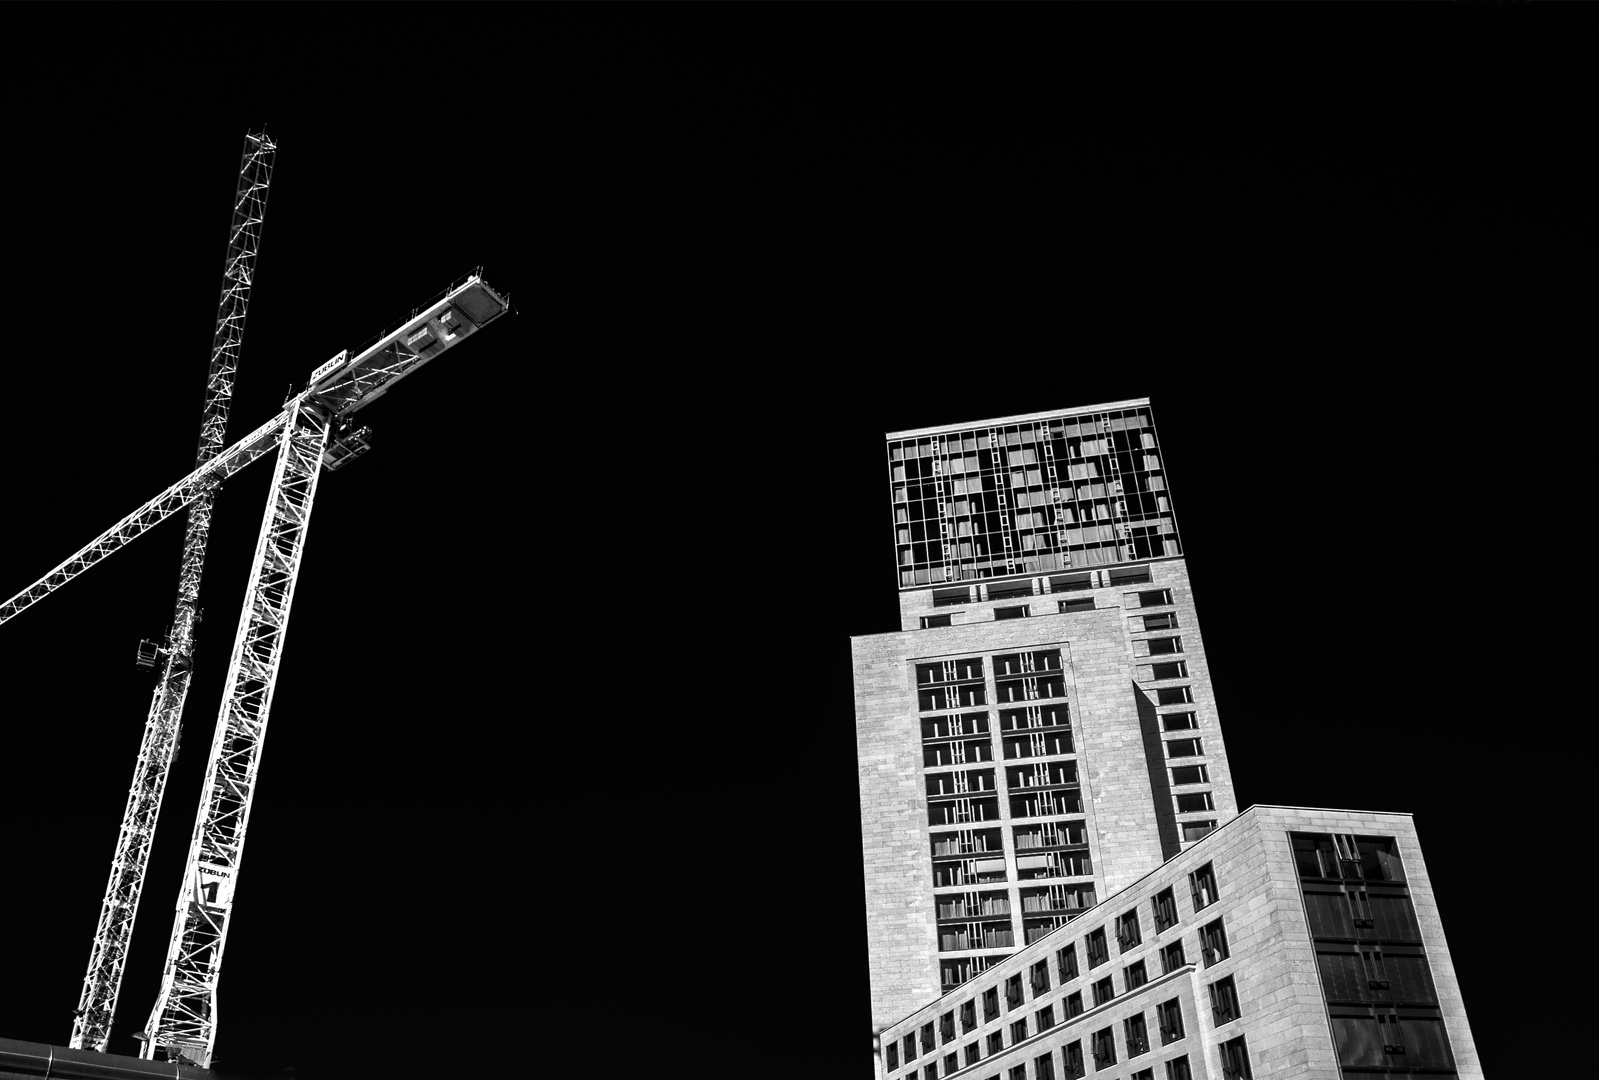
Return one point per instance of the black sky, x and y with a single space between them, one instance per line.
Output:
560 774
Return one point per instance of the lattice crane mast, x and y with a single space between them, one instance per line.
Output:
91 1028
314 429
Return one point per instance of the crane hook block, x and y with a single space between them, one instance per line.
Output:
149 652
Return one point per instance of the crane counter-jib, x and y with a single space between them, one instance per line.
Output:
457 314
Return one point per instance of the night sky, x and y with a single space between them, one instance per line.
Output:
559 779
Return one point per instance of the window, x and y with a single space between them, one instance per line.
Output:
996 1043
1169 1015
1013 991
1223 1001
1235 1060
893 1055
929 622
974 1054
1136 976
1175 670
1071 1058
927 1037
1136 1034
945 597
1071 582
1189 774
990 1003
1202 886
1017 1072
1177 1069
1165 906
1143 1074
1044 1067
1129 575
1195 801
1213 943
1040 977
1179 721
1045 1018
1017 612
1171 957
1018 1031
1198 830
952 1063
1149 598
910 1047
1166 620
968 1015
1104 990
1104 1047
1081 603
1066 961
1127 934
1164 646
1174 695
1098 951
1074 1004
946 1027
1009 590
930 1073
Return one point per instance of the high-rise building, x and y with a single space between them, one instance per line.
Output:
1039 748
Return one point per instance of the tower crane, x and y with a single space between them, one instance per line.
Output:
91 1026
315 430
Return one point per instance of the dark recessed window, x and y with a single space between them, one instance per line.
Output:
893 1056
1151 598
1013 991
1223 1001
996 1043
1081 603
952 1063
974 1054
1169 1015
1017 612
1044 1019
1066 961
1165 905
1183 748
1009 590
990 1003
1164 646
1129 575
1071 1059
1235 1060
1136 976
1017 1072
927 1037
1177 1069
1197 830
1074 1004
1174 695
1164 620
1127 934
1202 886
930 1073
1195 801
945 597
1040 977
1189 774
1179 721
1044 1067
1171 957
1213 943
1175 670
1098 951
968 1015
931 621
1104 990
910 1047
1104 1047
1136 1035
1143 1074
1018 1031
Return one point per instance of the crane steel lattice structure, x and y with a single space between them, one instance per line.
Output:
91 1027
313 430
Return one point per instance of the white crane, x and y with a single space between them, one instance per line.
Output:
314 429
